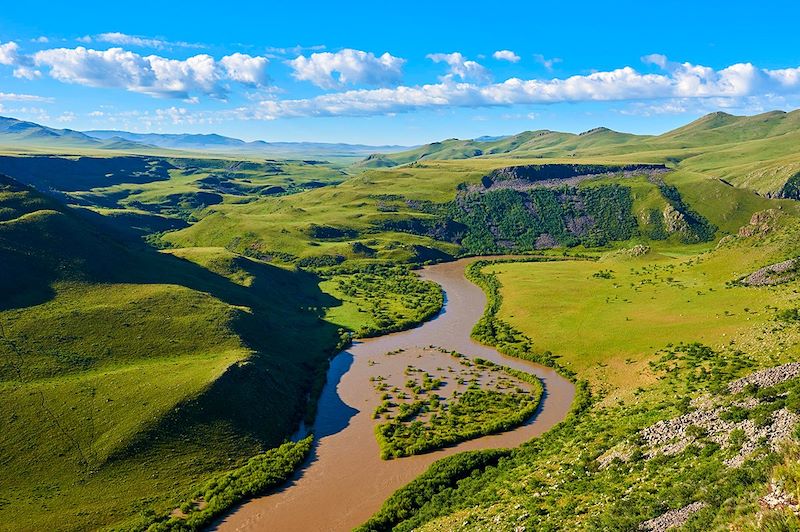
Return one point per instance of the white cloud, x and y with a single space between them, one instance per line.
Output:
41 39
152 74
506 55
10 56
293 51
461 67
656 59
686 81
14 97
246 69
66 117
26 72
9 53
123 39
545 62
353 67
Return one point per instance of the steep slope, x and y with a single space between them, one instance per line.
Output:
128 375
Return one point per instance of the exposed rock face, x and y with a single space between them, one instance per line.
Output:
778 498
672 518
674 221
767 377
546 241
672 436
622 452
782 272
524 177
761 222
638 250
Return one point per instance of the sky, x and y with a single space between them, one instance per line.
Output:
394 72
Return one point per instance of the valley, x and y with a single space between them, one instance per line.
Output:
485 334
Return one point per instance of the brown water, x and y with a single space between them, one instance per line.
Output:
344 481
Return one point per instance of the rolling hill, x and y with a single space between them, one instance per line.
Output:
756 152
21 134
129 375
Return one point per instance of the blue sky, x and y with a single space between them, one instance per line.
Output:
402 73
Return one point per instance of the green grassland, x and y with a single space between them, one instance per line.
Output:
136 379
626 326
404 212
130 376
379 299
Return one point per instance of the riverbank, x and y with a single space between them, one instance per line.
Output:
344 480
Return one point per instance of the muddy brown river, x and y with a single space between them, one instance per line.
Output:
344 481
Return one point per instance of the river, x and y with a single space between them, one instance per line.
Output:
344 481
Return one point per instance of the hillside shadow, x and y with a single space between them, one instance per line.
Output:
279 315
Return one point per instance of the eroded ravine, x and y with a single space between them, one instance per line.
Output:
345 481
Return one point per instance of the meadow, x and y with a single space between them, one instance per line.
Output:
153 303
652 339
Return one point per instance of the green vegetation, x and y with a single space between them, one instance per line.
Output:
138 381
508 220
490 399
257 476
442 475
631 336
131 376
755 152
378 299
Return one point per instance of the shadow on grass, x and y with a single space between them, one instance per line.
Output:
257 402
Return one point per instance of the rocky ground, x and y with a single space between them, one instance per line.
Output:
672 436
672 518
706 423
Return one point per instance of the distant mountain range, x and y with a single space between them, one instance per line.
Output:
219 143
23 134
20 133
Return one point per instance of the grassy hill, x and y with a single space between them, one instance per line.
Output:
756 152
130 376
403 213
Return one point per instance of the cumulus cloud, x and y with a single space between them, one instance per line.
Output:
152 74
687 81
461 67
545 62
246 69
656 59
9 53
506 55
10 56
355 67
